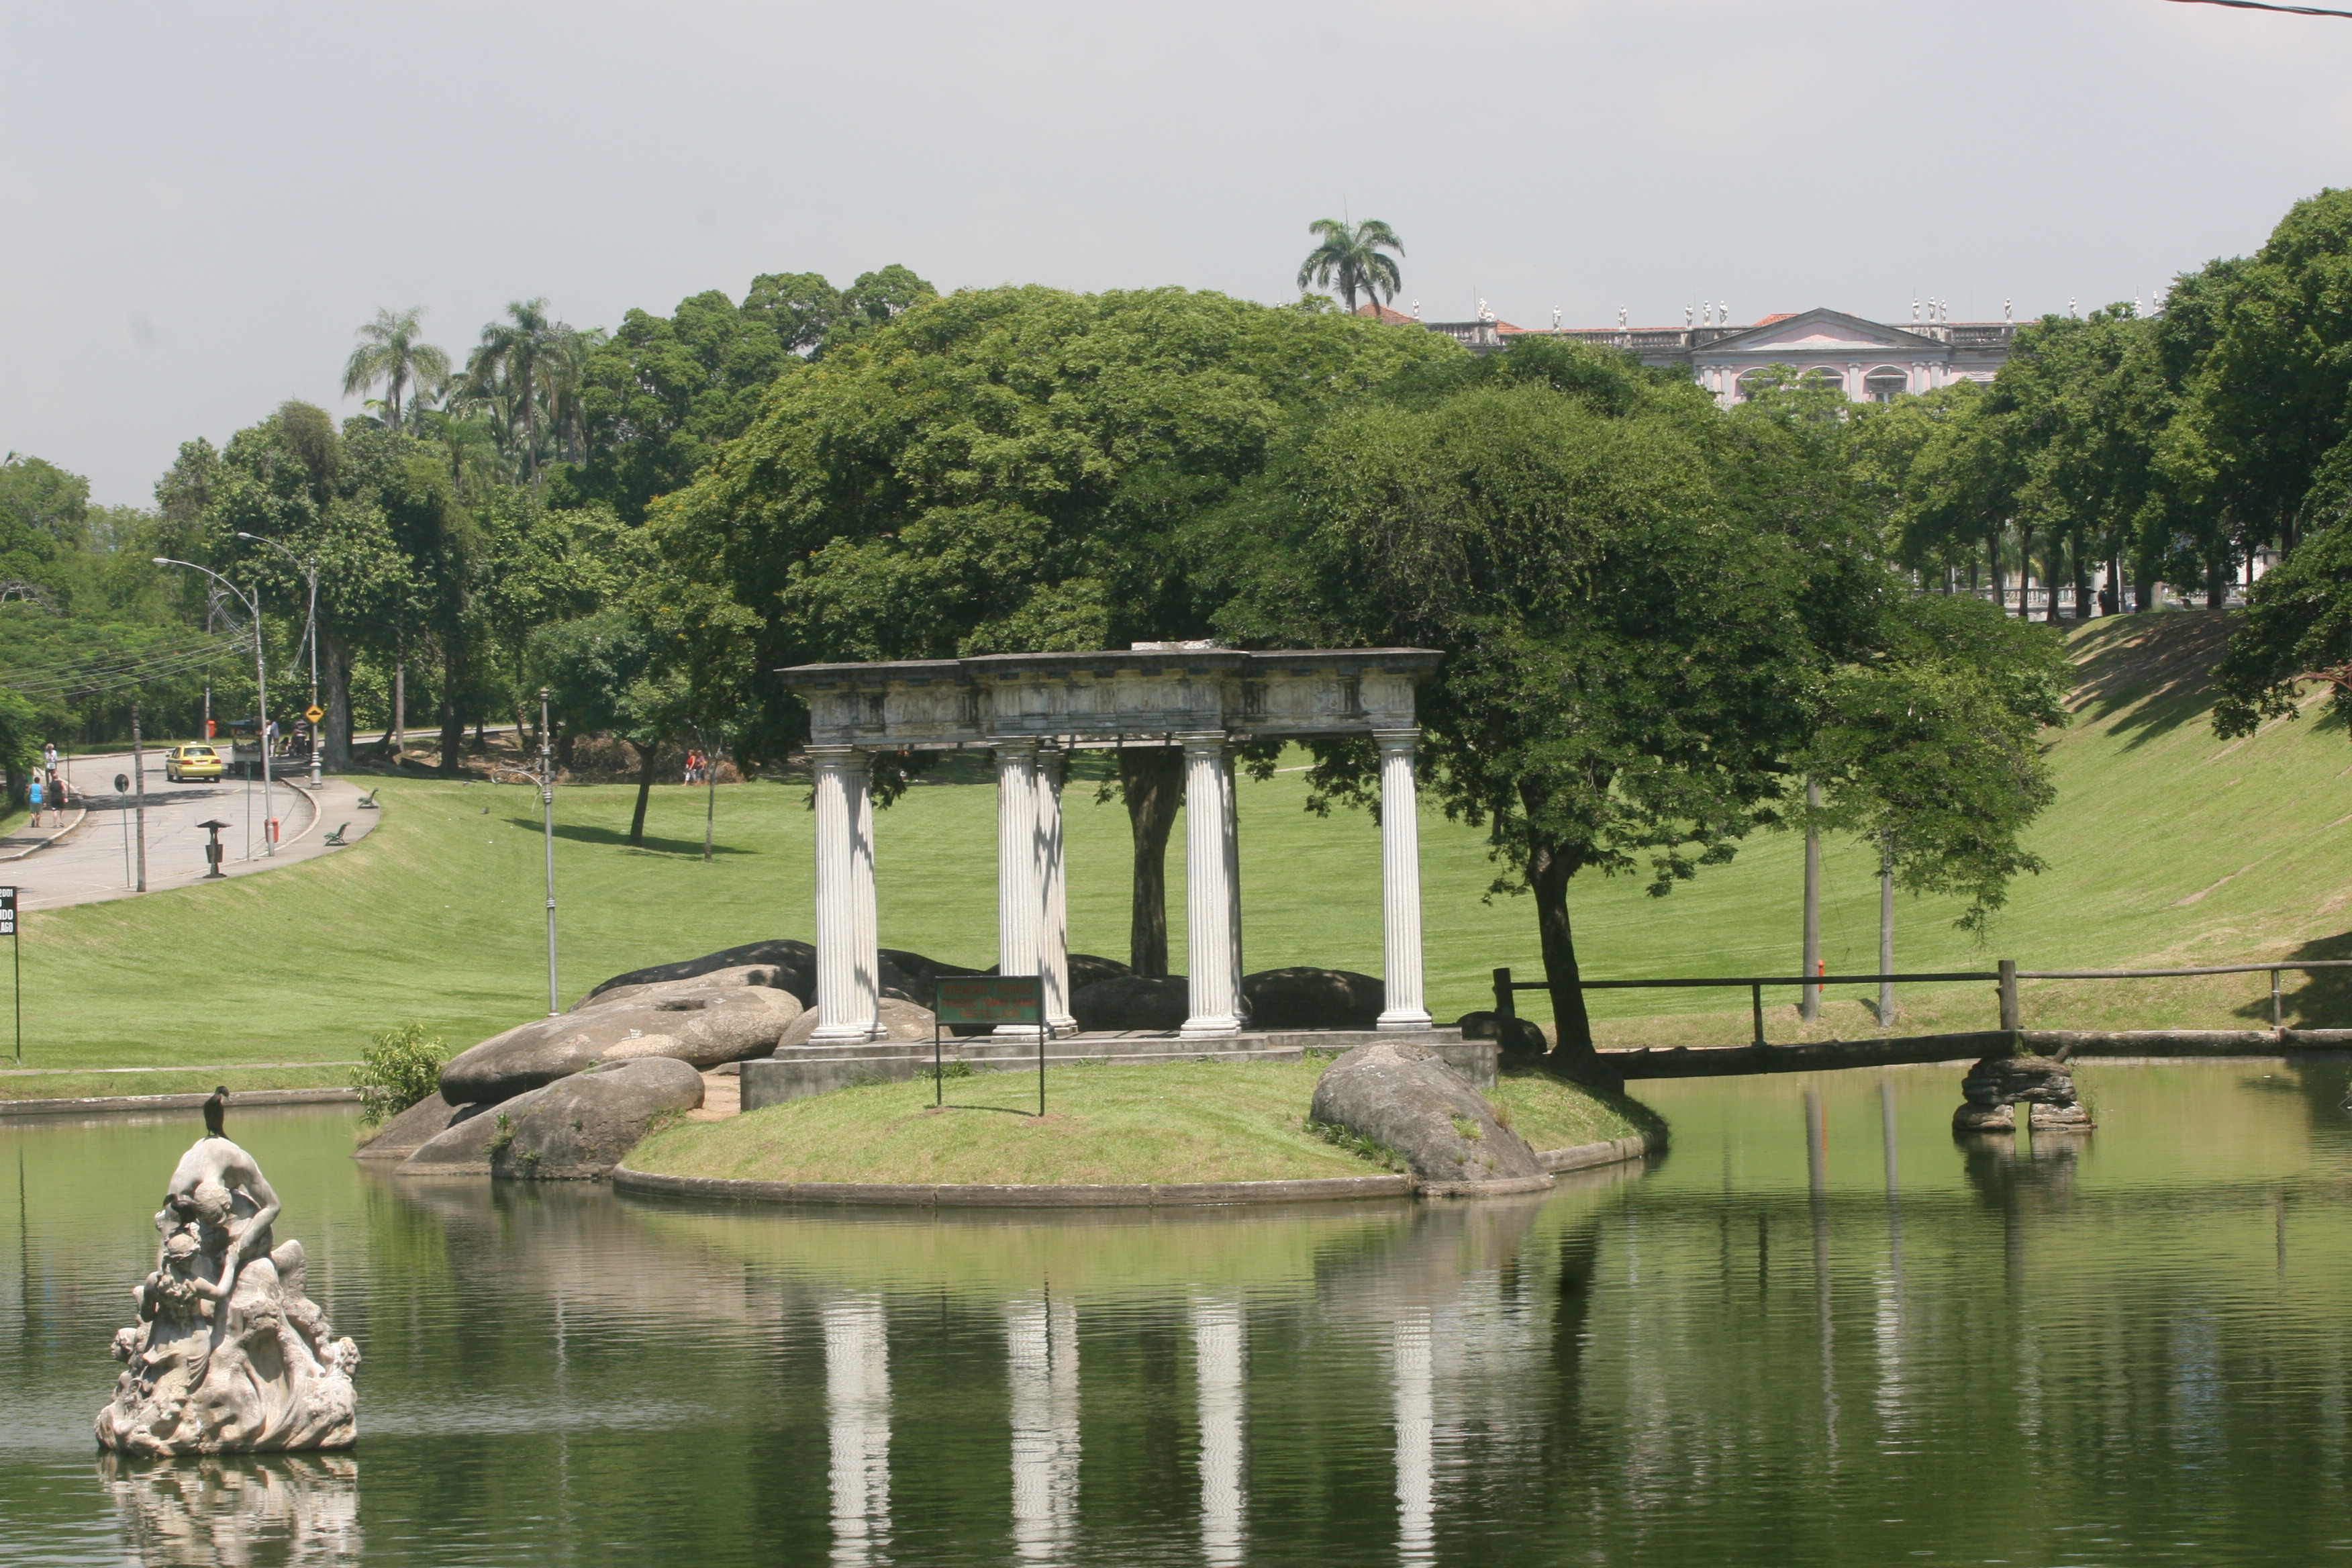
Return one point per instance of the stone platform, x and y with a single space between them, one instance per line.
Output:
804 1070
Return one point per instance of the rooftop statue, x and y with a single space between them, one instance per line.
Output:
229 1354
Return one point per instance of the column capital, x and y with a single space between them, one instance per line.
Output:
837 756
1204 743
1016 744
1396 740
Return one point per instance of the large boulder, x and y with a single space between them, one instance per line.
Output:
1305 998
912 977
702 1028
413 1129
1092 968
900 1020
1407 1098
794 961
652 992
1518 1040
581 1127
1132 1001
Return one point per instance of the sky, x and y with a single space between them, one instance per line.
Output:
200 201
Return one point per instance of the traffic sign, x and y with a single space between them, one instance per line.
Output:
314 713
7 912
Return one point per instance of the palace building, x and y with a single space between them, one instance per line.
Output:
1869 361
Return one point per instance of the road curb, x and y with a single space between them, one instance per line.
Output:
80 814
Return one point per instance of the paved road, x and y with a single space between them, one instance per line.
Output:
90 863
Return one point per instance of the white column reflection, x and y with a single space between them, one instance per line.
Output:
857 1425
1220 1356
1040 1340
1414 1390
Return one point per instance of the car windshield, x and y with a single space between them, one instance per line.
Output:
195 750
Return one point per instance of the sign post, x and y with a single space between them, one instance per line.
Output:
989 1000
16 957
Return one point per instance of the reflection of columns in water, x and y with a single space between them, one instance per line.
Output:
1041 1343
1415 1391
858 1426
1220 1354
1888 1328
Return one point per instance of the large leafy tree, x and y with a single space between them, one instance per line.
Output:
392 354
1347 258
1007 469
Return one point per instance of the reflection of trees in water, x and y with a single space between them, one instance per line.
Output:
2036 1179
266 1510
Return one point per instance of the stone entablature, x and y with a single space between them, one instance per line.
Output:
1030 710
1146 697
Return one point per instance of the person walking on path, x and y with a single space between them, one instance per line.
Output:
34 799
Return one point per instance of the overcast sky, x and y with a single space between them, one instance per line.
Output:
198 203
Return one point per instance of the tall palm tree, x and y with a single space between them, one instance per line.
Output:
389 352
1349 256
512 361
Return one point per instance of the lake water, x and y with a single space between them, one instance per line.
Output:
2129 1348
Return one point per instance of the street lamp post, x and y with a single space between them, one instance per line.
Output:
544 778
261 691
309 569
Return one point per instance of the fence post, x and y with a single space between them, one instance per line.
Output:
2009 1014
1756 1005
1504 1008
2278 1016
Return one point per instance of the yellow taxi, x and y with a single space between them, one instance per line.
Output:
191 763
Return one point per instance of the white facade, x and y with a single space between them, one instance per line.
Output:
1868 361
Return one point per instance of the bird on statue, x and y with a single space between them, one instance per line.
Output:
215 1109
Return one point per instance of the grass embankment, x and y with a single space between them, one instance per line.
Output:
2166 846
1208 1123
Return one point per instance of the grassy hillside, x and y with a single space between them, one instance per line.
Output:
2165 845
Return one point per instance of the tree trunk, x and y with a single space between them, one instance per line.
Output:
1152 779
1992 570
336 658
2082 578
1549 871
648 755
2217 582
452 718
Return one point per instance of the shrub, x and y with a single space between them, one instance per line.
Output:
399 1068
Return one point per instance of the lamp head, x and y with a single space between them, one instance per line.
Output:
160 561
241 534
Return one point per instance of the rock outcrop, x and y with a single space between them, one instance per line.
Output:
1132 1001
229 1354
1996 1086
1406 1098
690 1020
1308 998
900 1020
413 1129
794 961
576 1128
1519 1039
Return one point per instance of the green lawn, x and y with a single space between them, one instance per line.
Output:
1207 1123
2167 846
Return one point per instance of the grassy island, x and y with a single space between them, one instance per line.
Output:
1208 1122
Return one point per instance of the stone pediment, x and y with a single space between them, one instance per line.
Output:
1825 332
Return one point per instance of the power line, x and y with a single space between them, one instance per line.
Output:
2264 5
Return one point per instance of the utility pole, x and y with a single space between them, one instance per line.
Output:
252 602
1811 1005
309 569
547 812
138 792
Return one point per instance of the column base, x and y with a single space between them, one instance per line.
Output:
842 1035
1210 1028
1416 1019
1062 1027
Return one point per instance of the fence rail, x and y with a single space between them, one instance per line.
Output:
2005 977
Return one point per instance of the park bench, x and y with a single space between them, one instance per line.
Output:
367 802
336 838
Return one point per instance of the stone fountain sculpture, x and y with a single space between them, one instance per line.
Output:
229 1354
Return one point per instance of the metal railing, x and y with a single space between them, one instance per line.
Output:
2005 976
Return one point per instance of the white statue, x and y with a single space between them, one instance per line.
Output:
1686 318
228 1355
2008 310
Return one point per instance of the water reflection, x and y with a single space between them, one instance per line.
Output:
858 1426
1220 1359
263 1510
1041 1358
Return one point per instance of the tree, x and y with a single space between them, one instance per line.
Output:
391 353
1349 258
510 369
612 673
1007 469
2296 625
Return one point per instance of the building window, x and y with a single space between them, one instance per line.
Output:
1885 383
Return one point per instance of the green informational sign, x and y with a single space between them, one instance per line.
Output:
988 999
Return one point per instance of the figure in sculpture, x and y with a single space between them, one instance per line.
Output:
229 1354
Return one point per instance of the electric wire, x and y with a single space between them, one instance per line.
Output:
2265 5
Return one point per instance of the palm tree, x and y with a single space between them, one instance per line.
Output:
513 359
390 354
1349 256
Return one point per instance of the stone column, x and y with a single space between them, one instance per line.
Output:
1401 882
1053 939
1208 891
846 964
1020 887
1234 886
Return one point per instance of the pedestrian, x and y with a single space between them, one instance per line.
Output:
56 793
49 755
36 799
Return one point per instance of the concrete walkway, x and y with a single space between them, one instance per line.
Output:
92 861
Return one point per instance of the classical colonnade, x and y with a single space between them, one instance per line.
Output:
1031 711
